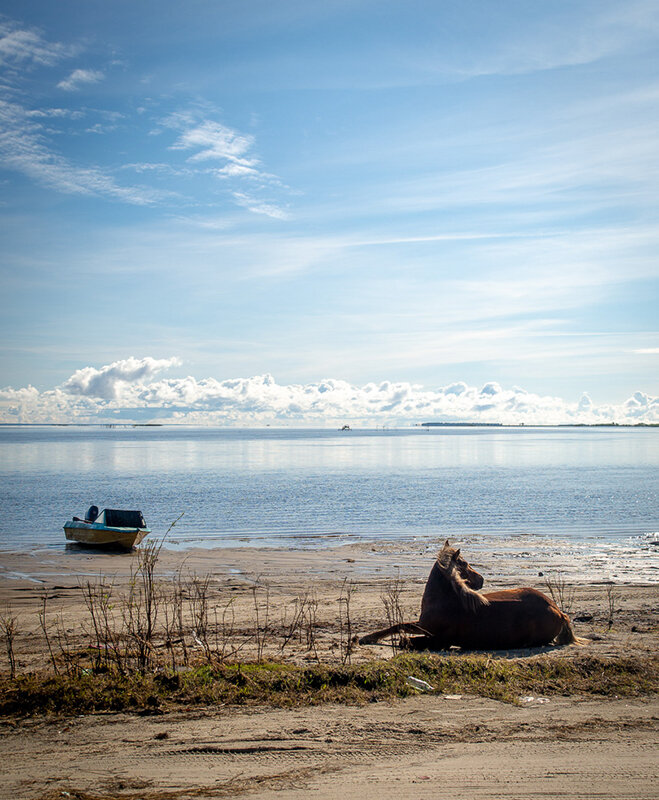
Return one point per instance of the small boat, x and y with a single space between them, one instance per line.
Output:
112 527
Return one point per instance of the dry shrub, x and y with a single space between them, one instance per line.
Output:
391 599
8 625
345 622
561 592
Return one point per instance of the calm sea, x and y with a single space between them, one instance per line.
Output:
310 488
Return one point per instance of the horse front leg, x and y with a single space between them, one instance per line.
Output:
401 627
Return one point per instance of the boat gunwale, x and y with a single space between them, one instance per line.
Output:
79 525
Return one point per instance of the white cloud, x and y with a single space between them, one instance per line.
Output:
25 45
209 140
257 206
24 148
126 390
80 77
567 38
212 140
25 139
107 382
234 170
54 113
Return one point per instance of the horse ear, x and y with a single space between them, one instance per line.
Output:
456 555
447 544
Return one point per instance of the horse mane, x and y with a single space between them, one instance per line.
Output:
469 599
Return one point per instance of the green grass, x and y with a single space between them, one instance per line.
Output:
286 685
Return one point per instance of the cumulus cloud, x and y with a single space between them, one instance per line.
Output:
80 77
128 390
107 382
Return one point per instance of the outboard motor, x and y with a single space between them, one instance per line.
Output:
92 514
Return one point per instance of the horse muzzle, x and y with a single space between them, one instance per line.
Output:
474 580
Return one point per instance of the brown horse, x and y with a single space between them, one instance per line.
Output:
453 613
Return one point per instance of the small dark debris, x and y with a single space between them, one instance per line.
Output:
584 618
161 735
219 750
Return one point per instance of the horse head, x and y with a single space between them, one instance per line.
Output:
450 559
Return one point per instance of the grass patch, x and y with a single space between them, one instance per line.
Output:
287 685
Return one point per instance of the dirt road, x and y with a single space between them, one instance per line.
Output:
422 747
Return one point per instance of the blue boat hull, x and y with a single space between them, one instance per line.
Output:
93 533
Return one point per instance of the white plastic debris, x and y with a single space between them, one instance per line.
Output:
531 699
417 683
452 697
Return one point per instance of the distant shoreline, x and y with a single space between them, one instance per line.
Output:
287 427
537 425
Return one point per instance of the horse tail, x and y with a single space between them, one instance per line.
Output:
566 634
402 627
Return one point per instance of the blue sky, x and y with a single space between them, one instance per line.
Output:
414 194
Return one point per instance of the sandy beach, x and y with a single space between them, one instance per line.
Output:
430 745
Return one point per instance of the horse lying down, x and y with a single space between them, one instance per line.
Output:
454 613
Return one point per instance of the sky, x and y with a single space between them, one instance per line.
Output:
247 212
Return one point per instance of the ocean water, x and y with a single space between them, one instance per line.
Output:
591 487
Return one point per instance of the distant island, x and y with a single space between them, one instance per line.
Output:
537 425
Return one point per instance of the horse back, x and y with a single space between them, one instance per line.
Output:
524 594
514 618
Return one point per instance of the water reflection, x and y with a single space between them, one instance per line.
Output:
294 486
304 450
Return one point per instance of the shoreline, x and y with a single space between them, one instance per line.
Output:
237 576
412 425
503 561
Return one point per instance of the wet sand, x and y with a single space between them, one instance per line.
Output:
426 746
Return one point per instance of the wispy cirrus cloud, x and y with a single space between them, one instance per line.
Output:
24 147
79 78
26 139
20 45
31 137
575 35
257 206
54 113
212 140
234 170
207 140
